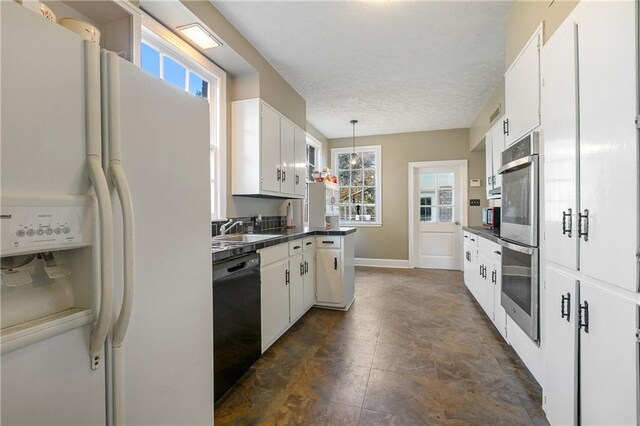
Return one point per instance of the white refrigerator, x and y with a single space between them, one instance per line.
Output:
106 297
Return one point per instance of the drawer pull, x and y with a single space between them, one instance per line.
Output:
308 243
335 263
328 242
297 247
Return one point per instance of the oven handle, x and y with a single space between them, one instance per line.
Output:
518 164
515 247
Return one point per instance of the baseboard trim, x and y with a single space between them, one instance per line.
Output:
382 263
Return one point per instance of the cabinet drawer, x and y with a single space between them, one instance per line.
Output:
490 249
273 254
295 247
471 238
308 244
328 242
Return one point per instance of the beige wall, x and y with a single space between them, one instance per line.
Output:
481 124
390 241
524 17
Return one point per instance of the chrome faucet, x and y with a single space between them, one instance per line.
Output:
229 226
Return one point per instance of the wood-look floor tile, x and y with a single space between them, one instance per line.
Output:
298 410
377 418
415 397
406 359
333 381
347 349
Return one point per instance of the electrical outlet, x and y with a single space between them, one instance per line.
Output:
474 202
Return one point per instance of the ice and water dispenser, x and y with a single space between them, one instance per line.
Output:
47 266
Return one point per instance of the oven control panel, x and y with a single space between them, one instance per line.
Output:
44 223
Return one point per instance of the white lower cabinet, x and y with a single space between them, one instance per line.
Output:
296 288
335 271
471 262
287 277
560 348
608 358
309 262
482 276
590 339
274 296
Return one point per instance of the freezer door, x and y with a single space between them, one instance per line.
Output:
42 107
168 348
43 151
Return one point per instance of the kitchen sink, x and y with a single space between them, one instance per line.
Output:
245 238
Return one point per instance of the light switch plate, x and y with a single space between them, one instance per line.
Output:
474 202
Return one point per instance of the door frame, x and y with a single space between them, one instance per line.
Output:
413 225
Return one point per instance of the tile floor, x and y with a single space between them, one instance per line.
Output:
415 348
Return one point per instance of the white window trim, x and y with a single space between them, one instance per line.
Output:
161 38
318 147
334 166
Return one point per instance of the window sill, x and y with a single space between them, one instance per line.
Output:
361 225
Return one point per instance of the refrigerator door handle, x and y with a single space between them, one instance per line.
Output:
119 180
99 181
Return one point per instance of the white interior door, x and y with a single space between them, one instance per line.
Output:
439 203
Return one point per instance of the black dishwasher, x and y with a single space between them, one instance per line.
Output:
236 319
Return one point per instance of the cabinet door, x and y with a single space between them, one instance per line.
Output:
499 314
310 278
561 349
287 157
485 286
471 268
269 149
608 146
329 284
300 161
274 293
608 359
467 264
522 91
559 137
489 162
296 287
497 146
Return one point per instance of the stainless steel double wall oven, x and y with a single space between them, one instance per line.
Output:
519 233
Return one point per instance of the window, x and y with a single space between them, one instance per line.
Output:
360 185
436 197
313 163
165 55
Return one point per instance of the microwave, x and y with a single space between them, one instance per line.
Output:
491 217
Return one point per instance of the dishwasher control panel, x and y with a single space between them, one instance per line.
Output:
44 223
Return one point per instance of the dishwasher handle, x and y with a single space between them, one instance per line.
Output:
230 267
237 267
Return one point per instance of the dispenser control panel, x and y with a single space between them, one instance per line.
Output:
44 223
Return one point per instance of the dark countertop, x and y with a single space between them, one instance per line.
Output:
481 231
235 249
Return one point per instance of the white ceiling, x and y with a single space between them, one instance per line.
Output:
394 66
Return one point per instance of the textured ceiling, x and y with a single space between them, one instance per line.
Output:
394 66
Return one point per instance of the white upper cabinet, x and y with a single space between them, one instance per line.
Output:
608 141
270 167
522 91
559 135
287 157
494 142
300 161
266 152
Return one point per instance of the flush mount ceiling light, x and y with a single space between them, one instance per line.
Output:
354 156
197 34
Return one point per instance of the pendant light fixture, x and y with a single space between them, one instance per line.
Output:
354 156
